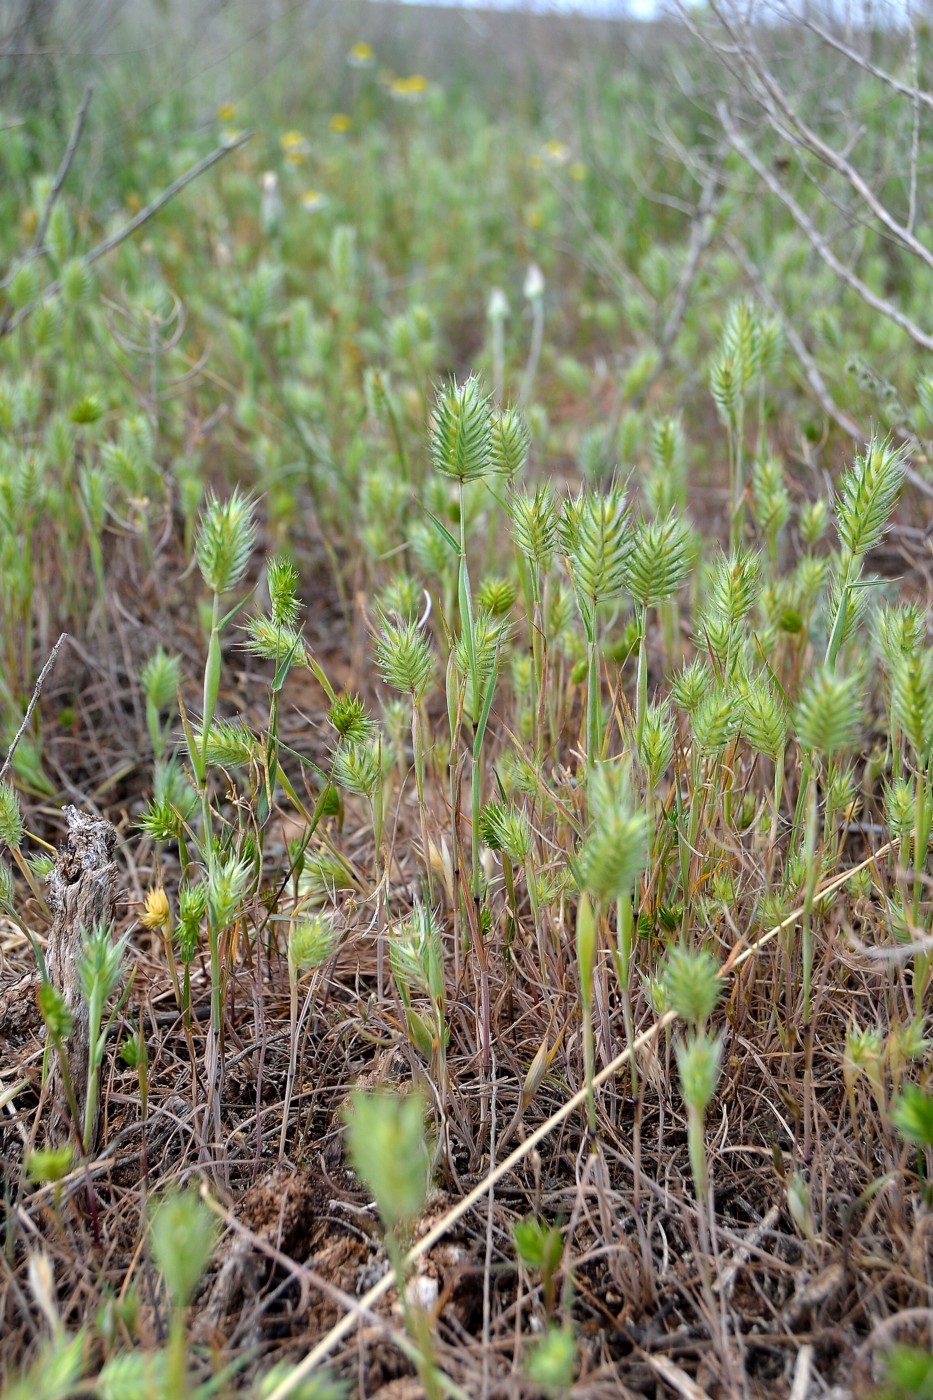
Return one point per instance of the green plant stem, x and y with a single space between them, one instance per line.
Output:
67 1082
737 461
776 796
923 820
625 927
699 1167
176 1356
476 804
811 866
465 600
589 1065
420 1335
417 746
31 881
593 702
537 666
641 692
292 1050
167 941
811 869
508 877
849 574
93 1066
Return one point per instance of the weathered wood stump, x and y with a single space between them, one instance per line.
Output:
82 894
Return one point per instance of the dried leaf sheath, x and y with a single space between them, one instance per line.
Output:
82 892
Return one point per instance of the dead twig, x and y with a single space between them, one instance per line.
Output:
32 704
144 215
61 176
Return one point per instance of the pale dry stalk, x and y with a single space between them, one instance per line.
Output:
82 894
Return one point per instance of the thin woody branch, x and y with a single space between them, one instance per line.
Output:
143 217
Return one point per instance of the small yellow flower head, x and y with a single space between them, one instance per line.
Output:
340 122
226 112
535 162
410 89
577 170
361 55
555 152
534 219
156 912
312 200
230 136
295 146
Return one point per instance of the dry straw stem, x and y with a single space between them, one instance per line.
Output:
82 892
737 957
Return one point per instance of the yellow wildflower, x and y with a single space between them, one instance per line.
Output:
555 152
295 146
157 912
410 89
361 55
226 112
534 218
340 122
313 199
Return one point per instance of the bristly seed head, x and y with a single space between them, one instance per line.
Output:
225 540
462 444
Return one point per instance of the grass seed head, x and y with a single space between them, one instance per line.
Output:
698 1062
828 716
227 883
656 742
659 560
506 829
351 719
912 701
616 849
157 912
405 659
462 440
358 767
596 538
100 963
510 442
534 523
691 984
311 942
765 721
282 583
389 1150
866 497
716 719
225 541
160 679
182 1237
11 817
